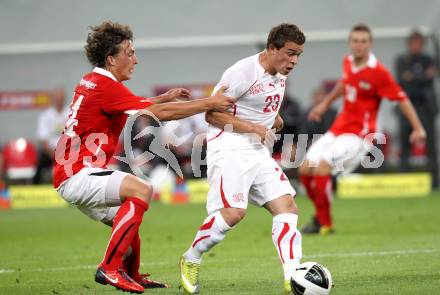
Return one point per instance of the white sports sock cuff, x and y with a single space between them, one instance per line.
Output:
287 218
221 223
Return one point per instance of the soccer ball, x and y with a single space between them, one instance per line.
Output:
311 278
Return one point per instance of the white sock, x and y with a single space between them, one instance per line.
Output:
211 233
287 240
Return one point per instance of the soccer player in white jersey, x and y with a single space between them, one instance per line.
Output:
240 166
99 110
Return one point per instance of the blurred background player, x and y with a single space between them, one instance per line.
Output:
99 110
364 82
240 166
49 127
416 71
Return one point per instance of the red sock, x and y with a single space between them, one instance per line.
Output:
133 261
125 228
309 183
323 196
306 180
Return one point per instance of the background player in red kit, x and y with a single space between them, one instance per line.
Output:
99 110
365 81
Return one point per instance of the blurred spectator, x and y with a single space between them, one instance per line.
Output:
416 71
318 127
50 125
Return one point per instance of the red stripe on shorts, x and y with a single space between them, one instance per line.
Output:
222 193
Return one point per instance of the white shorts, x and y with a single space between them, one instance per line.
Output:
95 191
343 152
236 178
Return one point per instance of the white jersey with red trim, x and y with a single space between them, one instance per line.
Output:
259 96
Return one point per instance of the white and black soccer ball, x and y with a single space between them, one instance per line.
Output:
311 278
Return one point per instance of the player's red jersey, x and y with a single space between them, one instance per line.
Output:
98 113
363 90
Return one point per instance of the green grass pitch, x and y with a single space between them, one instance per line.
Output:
382 246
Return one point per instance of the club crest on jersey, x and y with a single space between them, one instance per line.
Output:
364 85
256 89
238 197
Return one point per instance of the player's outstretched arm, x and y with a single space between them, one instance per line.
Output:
174 94
418 135
317 112
178 110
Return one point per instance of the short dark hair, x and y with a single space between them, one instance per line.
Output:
362 28
283 33
104 41
416 35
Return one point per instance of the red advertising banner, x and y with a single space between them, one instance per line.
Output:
22 100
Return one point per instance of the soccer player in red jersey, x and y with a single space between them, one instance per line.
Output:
99 110
364 83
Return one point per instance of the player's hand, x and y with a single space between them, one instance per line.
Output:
177 94
316 113
270 138
418 136
260 131
220 102
278 124
266 136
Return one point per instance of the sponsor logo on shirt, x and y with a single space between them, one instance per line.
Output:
87 84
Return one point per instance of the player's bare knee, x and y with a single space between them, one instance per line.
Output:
322 169
283 204
240 214
291 207
232 216
288 205
145 191
304 169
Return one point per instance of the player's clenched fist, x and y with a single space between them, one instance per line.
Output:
178 93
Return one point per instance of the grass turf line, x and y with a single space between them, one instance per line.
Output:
382 246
